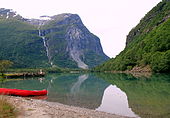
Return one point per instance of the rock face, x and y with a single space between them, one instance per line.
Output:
7 13
66 34
60 40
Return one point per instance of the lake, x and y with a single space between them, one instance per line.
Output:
122 94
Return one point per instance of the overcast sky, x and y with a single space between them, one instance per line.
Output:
110 20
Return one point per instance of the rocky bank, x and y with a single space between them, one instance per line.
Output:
31 108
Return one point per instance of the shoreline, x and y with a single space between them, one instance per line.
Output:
32 108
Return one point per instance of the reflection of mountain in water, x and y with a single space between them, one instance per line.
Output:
77 90
148 97
76 87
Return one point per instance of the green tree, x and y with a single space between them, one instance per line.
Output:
4 65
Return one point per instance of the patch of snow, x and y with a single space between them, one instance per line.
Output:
45 18
7 16
11 10
67 15
15 15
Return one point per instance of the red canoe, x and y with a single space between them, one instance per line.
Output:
23 93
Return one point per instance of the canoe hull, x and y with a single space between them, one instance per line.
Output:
23 93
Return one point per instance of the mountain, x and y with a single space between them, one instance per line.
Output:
69 42
60 40
147 45
19 42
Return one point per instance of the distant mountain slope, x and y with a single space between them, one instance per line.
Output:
20 43
70 43
148 44
60 40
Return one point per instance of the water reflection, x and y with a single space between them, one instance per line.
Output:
148 97
76 87
77 90
89 92
115 101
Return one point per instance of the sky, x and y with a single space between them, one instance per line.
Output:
110 20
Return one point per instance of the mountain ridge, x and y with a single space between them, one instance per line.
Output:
64 39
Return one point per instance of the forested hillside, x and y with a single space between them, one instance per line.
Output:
147 45
20 44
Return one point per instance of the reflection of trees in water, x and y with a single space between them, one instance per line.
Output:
77 90
147 96
26 83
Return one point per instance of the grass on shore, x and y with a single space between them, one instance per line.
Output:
6 109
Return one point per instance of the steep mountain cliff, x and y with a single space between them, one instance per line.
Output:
70 43
60 40
147 45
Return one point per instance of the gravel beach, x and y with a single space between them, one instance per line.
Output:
32 108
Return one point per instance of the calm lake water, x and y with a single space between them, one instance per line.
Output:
123 94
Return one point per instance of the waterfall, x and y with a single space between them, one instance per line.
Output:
45 44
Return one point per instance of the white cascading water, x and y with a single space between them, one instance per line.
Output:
45 44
